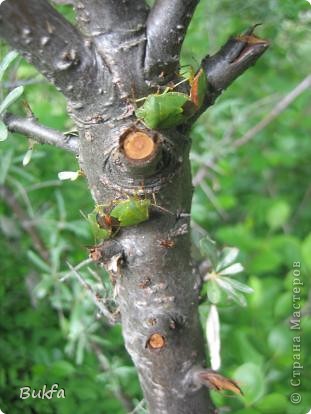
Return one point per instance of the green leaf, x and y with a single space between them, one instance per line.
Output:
273 404
3 131
62 368
38 261
245 346
306 249
8 59
61 205
5 164
226 284
11 98
227 257
278 214
27 157
251 379
283 305
280 340
131 212
242 287
213 292
163 111
232 270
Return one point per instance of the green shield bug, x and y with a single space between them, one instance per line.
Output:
131 212
164 110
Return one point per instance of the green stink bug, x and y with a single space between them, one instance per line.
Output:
169 109
198 88
164 110
131 212
98 232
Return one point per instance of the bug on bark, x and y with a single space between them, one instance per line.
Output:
169 108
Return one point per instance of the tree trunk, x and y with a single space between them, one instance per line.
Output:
122 52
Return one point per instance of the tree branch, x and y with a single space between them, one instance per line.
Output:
167 24
41 133
118 31
50 43
276 111
233 59
107 17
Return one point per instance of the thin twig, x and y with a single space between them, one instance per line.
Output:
41 133
212 198
76 268
138 407
276 111
251 133
24 82
96 300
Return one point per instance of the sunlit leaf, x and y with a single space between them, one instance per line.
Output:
231 292
3 131
213 292
213 337
6 160
242 287
227 257
232 270
5 63
68 175
27 157
11 98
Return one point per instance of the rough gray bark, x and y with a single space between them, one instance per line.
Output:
123 50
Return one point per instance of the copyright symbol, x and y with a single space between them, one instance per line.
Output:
295 398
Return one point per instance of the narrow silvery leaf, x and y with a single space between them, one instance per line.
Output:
68 175
213 292
231 292
7 60
232 270
11 98
27 157
213 337
227 257
6 160
238 285
3 131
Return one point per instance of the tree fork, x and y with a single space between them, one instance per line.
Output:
157 284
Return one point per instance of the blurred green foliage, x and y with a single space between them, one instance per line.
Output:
256 198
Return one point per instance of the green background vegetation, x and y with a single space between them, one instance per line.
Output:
256 197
